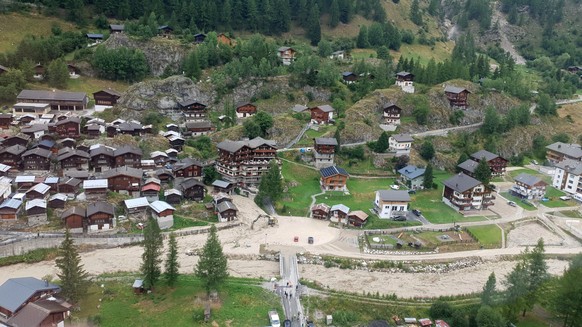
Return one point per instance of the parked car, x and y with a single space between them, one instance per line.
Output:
296 239
287 323
310 323
411 191
417 212
399 218
395 187
310 240
511 203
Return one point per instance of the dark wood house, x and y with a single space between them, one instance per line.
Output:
223 186
69 185
333 178
128 156
130 128
38 191
199 38
349 77
357 218
116 28
245 109
173 196
12 155
100 216
322 114
70 127
457 96
226 211
391 114
10 209
192 189
192 108
107 97
57 201
72 158
124 179
496 162
188 167
73 217
197 128
102 158
37 159
165 31
6 120
320 211
18 139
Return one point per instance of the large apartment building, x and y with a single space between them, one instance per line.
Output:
244 162
568 177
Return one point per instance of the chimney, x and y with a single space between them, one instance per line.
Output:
559 146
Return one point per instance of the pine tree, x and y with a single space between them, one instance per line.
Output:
172 263
517 291
271 185
382 144
568 296
538 273
212 266
192 66
335 14
433 7
415 14
483 172
427 150
362 41
428 177
313 25
74 279
487 297
151 257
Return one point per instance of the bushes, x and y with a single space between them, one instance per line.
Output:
120 64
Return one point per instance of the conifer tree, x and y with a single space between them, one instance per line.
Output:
313 25
172 263
151 257
335 13
362 41
428 177
415 14
483 172
382 144
74 279
212 266
58 74
487 297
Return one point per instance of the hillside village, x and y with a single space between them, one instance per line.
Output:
326 174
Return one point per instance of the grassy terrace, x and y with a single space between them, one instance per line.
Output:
15 27
489 236
310 134
242 303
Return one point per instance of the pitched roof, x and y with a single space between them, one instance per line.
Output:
24 179
136 203
528 179
101 150
404 74
34 313
233 146
190 102
159 206
110 91
402 138
4 168
123 171
468 165
73 119
299 108
326 141
73 211
14 149
393 195
11 203
71 153
41 188
343 208
151 187
325 108
127 149
455 89
359 214
35 203
221 183
185 163
172 191
333 170
189 183
282 49
461 183
571 150
58 196
15 291
71 181
198 124
484 154
573 167
51 95
321 206
96 207
226 205
39 152
117 27
158 154
95 184
411 172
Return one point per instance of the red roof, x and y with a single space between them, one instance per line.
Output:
425 322
441 323
151 187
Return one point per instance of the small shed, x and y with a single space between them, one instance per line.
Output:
138 286
173 196
222 186
36 212
136 208
57 201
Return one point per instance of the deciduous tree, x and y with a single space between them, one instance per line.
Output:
427 150
212 266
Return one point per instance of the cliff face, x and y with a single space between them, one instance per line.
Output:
162 54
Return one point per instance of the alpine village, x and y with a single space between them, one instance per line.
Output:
290 163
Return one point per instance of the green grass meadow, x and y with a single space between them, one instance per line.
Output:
488 235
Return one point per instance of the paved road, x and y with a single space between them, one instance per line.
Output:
289 289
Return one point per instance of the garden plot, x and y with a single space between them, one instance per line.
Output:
528 234
423 241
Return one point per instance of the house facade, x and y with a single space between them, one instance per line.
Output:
192 109
339 214
127 156
245 162
405 81
188 167
412 176
529 187
100 217
36 159
463 193
390 203
400 144
192 189
107 97
245 109
322 114
568 177
457 96
558 152
357 218
198 128
391 114
125 179
496 163
324 151
320 211
333 178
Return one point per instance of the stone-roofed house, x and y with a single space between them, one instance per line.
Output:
18 139
496 163
57 201
568 177
69 186
127 156
126 179
198 128
324 151
320 211
457 96
188 167
102 158
106 97
412 176
37 159
12 156
400 144
16 293
44 312
333 178
244 162
73 219
226 211
173 196
222 186
69 127
463 193
468 167
339 213
192 189
390 203
349 77
558 151
322 114
529 187
73 158
6 120
100 216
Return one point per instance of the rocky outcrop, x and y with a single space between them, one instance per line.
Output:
163 94
162 55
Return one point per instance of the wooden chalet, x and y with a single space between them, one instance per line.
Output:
339 213
94 131
36 211
163 213
102 158
357 218
130 128
10 209
38 191
188 167
160 158
165 31
24 182
72 158
349 78
226 211
192 189
58 100
245 109
39 71
457 96
164 175
95 188
18 139
106 97
100 216
70 127
47 144
94 37
151 189
199 38
325 145
73 71
37 159
136 208
123 179
70 185
320 211
406 81
128 156
198 128
116 28
496 163
177 142
173 128
322 114
57 201
173 196
73 218
463 192
35 131
6 120
220 186
286 55
391 114
67 143
333 178
12 156
224 39
192 108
